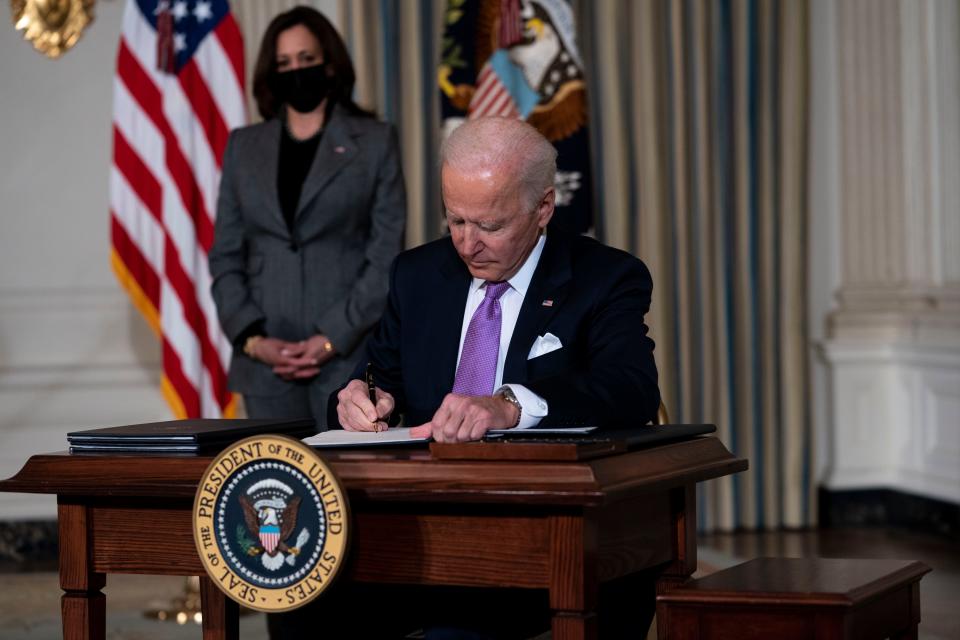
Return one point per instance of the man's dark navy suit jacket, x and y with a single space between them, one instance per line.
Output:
592 297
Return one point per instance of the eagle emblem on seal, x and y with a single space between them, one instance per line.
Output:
270 513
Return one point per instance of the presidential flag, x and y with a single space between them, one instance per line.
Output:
178 92
519 59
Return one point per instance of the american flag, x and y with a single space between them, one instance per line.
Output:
177 94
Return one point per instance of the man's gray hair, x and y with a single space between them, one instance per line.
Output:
495 143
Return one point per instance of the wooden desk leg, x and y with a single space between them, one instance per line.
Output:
573 580
912 630
566 626
221 615
84 615
83 608
683 507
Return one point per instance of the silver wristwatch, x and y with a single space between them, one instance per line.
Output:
507 394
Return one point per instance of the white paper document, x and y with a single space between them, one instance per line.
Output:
344 438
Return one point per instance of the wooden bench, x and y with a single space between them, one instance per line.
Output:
793 598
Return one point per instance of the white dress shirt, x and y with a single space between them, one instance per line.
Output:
535 408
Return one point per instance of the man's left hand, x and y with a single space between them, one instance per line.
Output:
464 418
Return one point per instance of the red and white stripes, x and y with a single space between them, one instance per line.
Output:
491 97
170 131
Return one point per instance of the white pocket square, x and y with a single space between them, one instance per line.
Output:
543 345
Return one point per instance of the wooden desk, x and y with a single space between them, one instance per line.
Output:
561 526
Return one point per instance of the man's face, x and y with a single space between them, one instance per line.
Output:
488 224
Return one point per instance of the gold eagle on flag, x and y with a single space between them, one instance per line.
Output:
537 38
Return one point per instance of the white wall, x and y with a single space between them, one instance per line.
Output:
74 353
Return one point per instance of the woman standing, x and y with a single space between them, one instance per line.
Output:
310 215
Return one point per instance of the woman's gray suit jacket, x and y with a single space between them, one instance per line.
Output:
329 273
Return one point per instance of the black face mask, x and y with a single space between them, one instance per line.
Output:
303 89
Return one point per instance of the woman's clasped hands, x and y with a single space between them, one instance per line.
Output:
294 360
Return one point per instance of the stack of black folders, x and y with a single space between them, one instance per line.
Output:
182 436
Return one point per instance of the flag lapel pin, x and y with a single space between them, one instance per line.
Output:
339 149
548 303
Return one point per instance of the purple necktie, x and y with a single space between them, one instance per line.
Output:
478 362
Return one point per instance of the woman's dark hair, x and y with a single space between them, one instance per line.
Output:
335 57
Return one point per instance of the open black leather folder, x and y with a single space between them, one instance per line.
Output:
543 445
183 436
632 437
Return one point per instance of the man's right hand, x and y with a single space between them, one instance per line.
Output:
357 413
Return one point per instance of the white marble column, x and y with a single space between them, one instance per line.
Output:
892 335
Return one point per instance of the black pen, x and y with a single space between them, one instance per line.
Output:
372 393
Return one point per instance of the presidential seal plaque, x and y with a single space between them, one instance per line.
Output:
270 521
